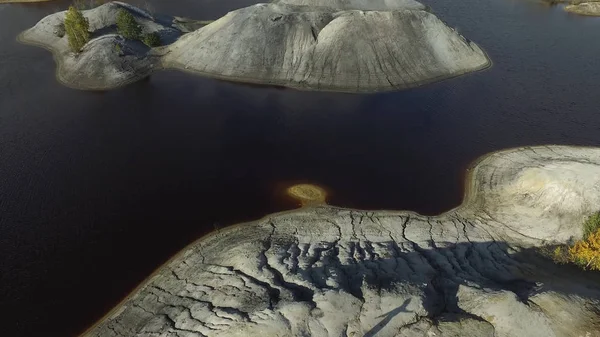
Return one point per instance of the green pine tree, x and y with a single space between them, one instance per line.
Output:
152 39
127 26
77 29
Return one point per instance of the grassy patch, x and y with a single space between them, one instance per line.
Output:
584 253
591 225
151 40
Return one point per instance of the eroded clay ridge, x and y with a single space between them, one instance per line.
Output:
338 45
327 271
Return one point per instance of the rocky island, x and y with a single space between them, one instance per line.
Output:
589 8
328 271
580 7
108 60
351 46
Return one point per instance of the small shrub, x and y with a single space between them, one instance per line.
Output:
152 39
118 49
76 28
586 253
127 26
560 254
591 225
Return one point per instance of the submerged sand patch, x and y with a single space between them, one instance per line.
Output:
307 194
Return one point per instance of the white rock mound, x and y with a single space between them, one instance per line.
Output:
327 271
322 48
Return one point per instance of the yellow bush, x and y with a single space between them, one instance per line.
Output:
586 253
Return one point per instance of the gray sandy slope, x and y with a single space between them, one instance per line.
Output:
339 45
321 48
327 271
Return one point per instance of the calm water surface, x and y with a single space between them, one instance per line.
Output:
98 189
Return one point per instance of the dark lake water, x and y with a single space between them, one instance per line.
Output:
98 189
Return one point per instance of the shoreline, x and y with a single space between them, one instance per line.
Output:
299 87
469 199
59 66
166 66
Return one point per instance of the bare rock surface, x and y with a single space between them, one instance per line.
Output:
338 45
328 271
